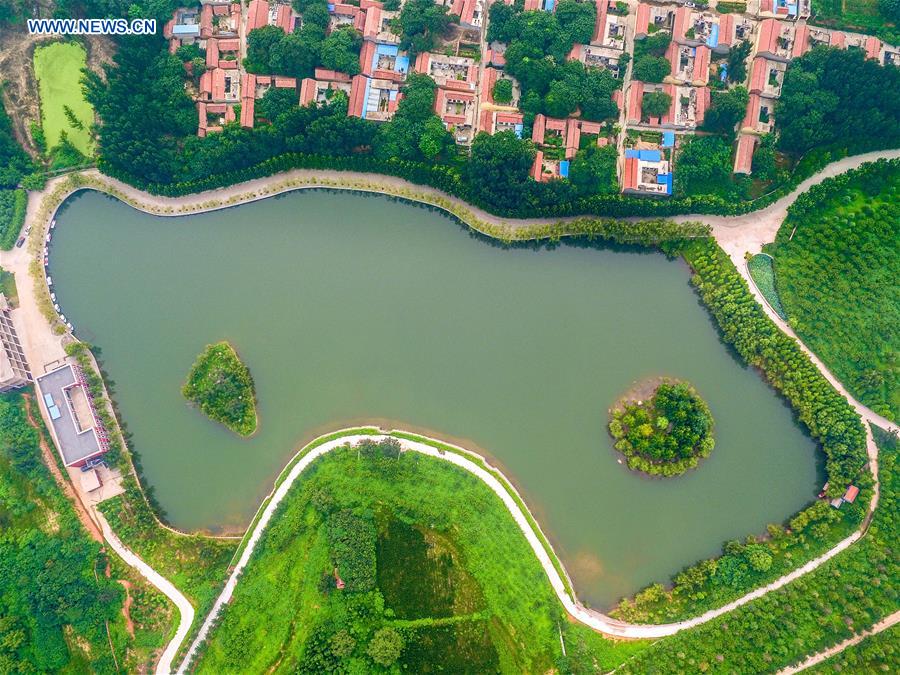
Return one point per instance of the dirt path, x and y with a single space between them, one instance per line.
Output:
816 659
126 607
65 486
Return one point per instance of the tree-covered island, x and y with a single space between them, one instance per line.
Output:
221 386
665 435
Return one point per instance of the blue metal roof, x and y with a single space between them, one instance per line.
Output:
564 168
649 155
668 139
518 129
186 29
632 154
713 40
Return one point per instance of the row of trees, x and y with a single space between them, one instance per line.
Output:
845 595
830 420
837 261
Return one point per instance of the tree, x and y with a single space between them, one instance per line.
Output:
764 166
503 90
737 61
386 646
415 132
593 170
818 108
656 104
703 166
340 51
420 23
504 24
577 20
435 138
651 68
275 101
890 9
260 43
726 110
499 167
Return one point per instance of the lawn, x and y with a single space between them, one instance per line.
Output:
58 69
763 273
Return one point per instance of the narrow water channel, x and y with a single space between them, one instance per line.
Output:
349 308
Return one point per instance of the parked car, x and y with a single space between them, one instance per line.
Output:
20 242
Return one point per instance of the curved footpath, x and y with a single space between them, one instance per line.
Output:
164 666
736 235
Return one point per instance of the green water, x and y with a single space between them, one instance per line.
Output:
349 308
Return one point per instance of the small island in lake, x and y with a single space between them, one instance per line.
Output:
665 435
220 385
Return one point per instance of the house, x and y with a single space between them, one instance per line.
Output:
377 25
647 172
451 72
695 28
320 88
635 100
688 108
220 85
849 497
183 28
457 111
220 20
609 29
489 78
593 56
760 115
222 53
261 13
213 116
14 371
374 98
346 15
495 121
776 40
383 61
558 141
766 77
743 156
651 18
690 65
254 87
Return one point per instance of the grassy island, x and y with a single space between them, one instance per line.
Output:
221 386
665 435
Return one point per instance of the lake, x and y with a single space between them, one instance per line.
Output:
351 308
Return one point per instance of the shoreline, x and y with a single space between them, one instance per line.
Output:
43 208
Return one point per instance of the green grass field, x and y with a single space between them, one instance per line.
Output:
860 15
763 273
58 70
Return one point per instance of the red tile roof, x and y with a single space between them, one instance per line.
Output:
752 116
366 56
801 41
642 21
212 53
286 82
679 27
758 75
331 75
630 174
248 107
229 45
537 129
838 39
600 23
308 89
769 31
726 29
537 170
257 14
703 98
851 493
635 99
284 19
701 65
357 96
873 49
206 21
743 156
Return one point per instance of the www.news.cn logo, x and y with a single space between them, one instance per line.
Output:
92 26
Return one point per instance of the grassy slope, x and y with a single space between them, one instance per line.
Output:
221 385
55 602
837 279
847 594
278 602
58 70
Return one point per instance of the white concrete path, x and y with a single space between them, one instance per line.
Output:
185 609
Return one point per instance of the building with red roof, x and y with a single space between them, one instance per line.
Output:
257 15
743 156
801 41
635 100
451 72
776 40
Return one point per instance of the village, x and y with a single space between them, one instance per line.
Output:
468 68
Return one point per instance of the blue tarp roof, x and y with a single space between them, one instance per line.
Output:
668 139
564 168
667 179
723 72
649 155
548 5
631 154
518 129
713 40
